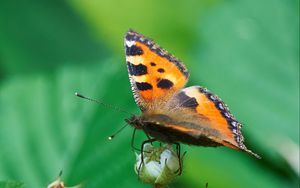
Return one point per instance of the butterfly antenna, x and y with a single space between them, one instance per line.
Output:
118 131
103 104
60 173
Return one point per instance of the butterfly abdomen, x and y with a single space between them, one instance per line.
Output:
169 135
162 128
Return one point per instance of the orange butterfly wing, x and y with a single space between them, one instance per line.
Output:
204 114
155 75
192 115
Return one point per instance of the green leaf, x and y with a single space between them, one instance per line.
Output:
247 55
41 35
250 58
45 128
11 184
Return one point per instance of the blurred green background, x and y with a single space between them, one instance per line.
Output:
247 52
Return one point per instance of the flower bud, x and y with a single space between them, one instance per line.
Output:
60 184
56 184
160 165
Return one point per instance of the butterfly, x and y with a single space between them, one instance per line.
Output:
171 113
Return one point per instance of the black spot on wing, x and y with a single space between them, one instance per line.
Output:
130 35
143 86
203 90
164 84
153 64
134 36
136 70
161 70
186 101
133 50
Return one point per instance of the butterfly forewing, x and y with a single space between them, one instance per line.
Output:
155 75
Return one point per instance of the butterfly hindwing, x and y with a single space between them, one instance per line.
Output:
205 115
155 75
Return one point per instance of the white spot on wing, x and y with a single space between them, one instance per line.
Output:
129 43
141 78
135 59
193 92
170 77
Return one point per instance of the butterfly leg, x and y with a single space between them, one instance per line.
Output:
149 138
142 147
142 153
179 171
132 142
178 150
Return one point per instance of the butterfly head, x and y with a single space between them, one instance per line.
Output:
135 121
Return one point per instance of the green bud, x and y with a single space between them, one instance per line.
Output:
161 165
